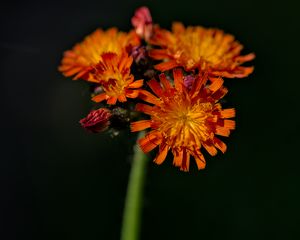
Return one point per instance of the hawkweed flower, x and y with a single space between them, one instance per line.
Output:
209 50
182 120
80 61
184 111
97 120
142 22
114 76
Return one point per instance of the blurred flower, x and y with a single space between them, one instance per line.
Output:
79 61
188 81
199 48
97 120
113 74
139 53
142 22
184 120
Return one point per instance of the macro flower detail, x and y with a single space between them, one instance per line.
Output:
80 61
97 120
177 112
184 109
182 120
200 48
142 22
113 74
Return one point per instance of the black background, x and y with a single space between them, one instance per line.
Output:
58 182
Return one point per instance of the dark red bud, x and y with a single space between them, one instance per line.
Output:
97 120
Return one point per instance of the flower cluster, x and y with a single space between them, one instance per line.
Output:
170 82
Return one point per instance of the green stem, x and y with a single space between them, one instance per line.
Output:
132 211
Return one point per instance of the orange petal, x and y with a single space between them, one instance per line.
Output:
112 100
162 154
200 160
230 124
125 62
108 57
222 131
122 98
246 58
136 84
216 84
144 108
219 93
164 81
177 161
140 125
178 78
155 87
185 166
220 145
148 97
178 27
63 68
100 97
82 73
72 71
238 72
164 66
150 141
132 93
228 113
198 83
210 149
158 54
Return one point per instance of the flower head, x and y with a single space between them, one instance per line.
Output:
183 120
142 22
79 61
113 74
209 50
97 120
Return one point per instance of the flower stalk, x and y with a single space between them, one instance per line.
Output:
134 197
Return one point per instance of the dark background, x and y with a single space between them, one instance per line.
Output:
59 182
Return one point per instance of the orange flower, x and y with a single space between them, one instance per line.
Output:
79 61
184 120
113 74
199 48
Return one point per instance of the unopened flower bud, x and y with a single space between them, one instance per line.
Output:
97 120
139 53
142 22
188 81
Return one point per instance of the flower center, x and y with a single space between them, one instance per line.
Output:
113 84
193 48
184 124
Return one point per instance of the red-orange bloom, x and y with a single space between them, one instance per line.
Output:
79 61
184 120
199 48
113 74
